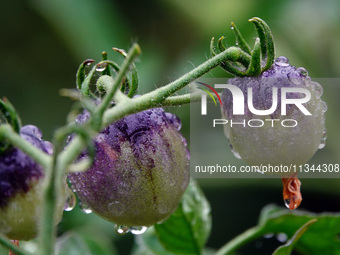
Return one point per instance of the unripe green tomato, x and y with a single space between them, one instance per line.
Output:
19 219
21 189
140 171
278 141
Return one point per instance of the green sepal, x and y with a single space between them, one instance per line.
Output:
220 44
133 87
244 59
85 86
261 34
267 41
231 68
240 40
130 84
107 70
228 66
81 72
255 63
248 62
213 52
8 115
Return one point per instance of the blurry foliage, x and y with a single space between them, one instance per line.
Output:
43 42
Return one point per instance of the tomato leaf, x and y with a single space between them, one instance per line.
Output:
188 228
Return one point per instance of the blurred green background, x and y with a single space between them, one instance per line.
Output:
43 42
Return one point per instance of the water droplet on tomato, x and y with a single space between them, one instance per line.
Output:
138 230
302 71
70 202
85 208
122 230
282 61
287 203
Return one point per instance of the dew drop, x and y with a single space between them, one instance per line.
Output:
322 144
31 130
174 120
236 154
122 230
94 179
269 235
70 202
324 134
138 230
317 88
265 74
232 27
282 61
185 143
287 203
48 147
324 106
323 139
302 71
85 208
101 67
295 78
281 237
